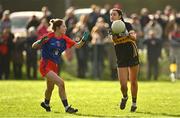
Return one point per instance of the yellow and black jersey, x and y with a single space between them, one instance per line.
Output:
126 49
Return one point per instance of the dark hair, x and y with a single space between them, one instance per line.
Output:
119 11
55 23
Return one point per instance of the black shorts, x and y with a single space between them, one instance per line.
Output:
127 54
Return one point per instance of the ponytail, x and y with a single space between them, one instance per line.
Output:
55 23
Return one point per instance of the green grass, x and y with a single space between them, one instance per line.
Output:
92 98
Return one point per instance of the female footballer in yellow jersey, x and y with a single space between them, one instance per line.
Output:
127 59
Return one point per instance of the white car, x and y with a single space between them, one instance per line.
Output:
85 11
19 21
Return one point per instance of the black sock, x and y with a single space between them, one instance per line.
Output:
134 99
46 101
65 102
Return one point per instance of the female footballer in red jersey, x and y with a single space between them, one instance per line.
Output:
127 59
52 45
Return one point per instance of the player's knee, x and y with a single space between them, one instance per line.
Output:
123 87
133 83
51 89
61 84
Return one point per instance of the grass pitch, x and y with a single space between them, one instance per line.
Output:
92 98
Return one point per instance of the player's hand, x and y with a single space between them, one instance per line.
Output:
85 36
43 39
133 35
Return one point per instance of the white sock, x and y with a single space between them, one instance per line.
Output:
134 104
125 98
67 107
46 104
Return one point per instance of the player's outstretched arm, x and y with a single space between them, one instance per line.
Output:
83 40
38 43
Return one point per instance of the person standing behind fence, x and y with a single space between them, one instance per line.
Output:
93 16
42 29
138 29
174 37
31 54
17 56
70 21
33 22
5 21
98 35
153 53
6 47
109 46
144 17
82 54
47 13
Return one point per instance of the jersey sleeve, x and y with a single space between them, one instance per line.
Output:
48 35
69 41
128 26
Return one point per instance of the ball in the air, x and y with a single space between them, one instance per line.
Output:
118 26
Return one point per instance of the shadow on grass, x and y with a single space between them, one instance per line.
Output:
99 116
118 116
102 116
162 114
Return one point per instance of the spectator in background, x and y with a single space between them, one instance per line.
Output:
98 35
92 19
158 16
47 13
108 44
82 53
6 47
1 11
117 5
31 54
93 16
168 17
17 58
174 37
144 18
171 19
154 26
33 22
42 29
70 20
107 7
111 56
168 11
5 21
153 53
178 17
137 28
